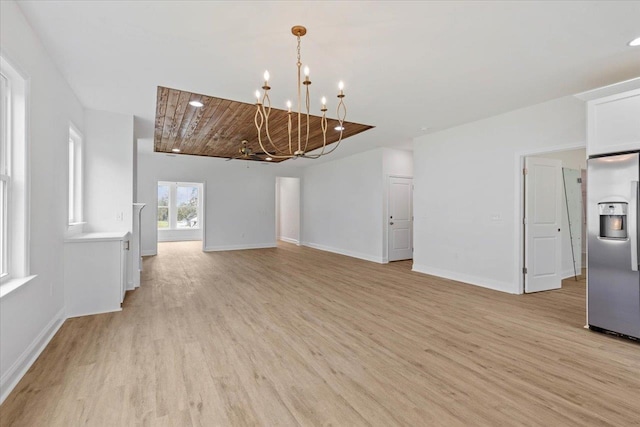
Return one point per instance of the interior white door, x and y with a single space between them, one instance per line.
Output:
400 218
543 209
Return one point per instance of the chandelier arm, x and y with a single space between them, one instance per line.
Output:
323 125
267 101
323 153
341 118
308 105
289 131
342 107
259 124
342 114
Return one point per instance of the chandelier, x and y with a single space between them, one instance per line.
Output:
296 148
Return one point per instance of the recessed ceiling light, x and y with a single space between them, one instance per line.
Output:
339 128
269 159
175 150
635 42
196 104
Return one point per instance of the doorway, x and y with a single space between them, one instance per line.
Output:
180 213
288 209
400 219
552 218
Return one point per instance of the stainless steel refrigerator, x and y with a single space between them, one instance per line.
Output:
613 278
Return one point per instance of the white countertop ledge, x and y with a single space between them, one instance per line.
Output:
101 236
13 284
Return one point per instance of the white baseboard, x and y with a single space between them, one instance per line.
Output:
289 240
178 238
93 313
239 247
20 367
464 278
352 254
150 252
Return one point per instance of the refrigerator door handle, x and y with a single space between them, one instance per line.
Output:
633 225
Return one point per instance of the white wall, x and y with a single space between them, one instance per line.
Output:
467 191
397 162
345 202
182 235
239 197
572 159
32 313
288 217
108 171
343 205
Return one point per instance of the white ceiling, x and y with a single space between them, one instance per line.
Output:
406 65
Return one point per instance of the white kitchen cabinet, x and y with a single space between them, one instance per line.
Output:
613 123
95 272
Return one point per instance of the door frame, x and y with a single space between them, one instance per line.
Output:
203 209
278 212
520 201
385 215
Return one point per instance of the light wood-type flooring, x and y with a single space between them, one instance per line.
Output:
296 336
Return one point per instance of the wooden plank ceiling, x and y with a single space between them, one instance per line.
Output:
218 128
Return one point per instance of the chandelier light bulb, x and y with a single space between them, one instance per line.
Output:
266 76
306 71
341 85
289 105
324 101
258 95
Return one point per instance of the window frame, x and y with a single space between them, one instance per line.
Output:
16 218
5 176
75 194
167 207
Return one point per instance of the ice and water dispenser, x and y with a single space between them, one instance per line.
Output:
613 220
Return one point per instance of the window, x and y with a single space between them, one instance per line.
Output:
5 178
75 176
13 174
178 205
